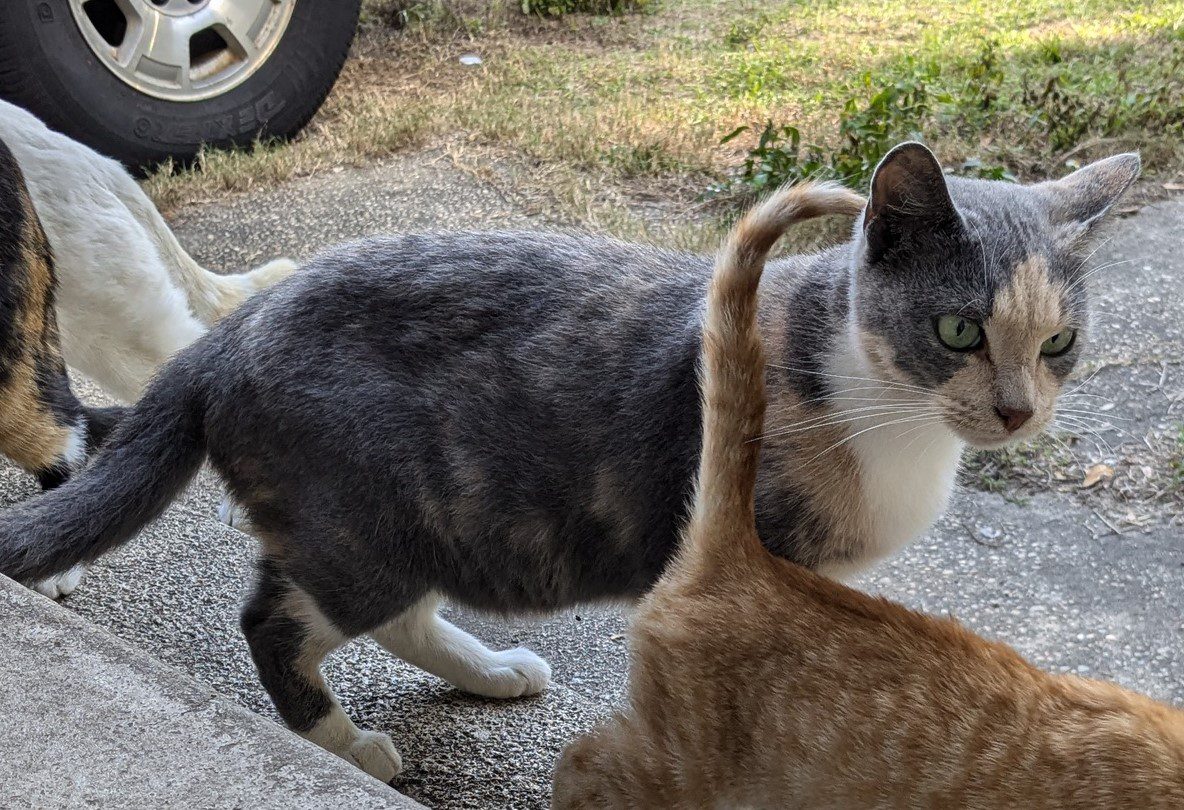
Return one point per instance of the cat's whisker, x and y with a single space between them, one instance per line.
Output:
839 420
839 412
916 429
1093 415
1082 279
1061 442
1084 383
885 383
840 443
1106 399
1097 422
1101 244
1087 433
782 406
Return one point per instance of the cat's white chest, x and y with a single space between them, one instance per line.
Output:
906 480
907 456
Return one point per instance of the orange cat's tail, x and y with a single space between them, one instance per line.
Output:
732 375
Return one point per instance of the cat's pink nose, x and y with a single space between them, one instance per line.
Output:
1013 418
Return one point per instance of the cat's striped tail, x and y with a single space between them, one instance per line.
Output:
155 450
732 374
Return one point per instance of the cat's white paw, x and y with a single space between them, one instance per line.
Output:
62 584
375 754
512 673
233 515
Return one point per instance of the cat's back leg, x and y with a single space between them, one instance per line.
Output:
289 637
422 638
613 768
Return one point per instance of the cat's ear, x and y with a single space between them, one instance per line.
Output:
1079 202
908 198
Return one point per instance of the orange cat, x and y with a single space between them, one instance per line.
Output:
757 683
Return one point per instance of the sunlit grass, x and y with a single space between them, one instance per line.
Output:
1020 83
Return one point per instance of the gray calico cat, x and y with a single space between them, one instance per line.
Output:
512 421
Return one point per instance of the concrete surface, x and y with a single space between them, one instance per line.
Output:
90 720
1051 579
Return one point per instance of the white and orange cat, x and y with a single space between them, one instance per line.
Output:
757 683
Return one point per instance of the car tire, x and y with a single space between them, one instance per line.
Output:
50 67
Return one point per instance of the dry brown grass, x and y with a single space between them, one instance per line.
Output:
602 113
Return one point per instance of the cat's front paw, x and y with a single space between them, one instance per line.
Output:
61 585
512 673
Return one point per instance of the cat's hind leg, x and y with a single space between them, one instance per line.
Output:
420 637
612 766
289 637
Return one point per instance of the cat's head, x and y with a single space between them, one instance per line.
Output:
974 291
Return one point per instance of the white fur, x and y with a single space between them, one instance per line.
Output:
420 637
128 295
234 515
371 751
62 585
907 470
74 453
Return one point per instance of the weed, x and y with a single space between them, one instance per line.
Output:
743 31
974 167
867 130
558 8
650 94
984 77
1017 469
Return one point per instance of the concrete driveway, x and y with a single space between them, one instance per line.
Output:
1090 581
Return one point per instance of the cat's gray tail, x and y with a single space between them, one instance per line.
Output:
151 455
732 375
211 296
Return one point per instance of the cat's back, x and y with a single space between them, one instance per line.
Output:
548 290
814 674
57 169
476 264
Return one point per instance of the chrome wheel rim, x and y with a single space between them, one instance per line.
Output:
182 50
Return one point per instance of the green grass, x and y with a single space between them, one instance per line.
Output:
1009 87
1014 84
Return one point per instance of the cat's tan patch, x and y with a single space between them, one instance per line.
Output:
814 462
608 505
1010 374
29 432
819 465
1026 312
882 358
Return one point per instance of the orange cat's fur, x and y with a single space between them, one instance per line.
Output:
757 683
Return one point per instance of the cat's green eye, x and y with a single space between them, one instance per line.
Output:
958 333
1059 343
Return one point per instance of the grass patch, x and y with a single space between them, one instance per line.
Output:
1018 470
1012 87
557 8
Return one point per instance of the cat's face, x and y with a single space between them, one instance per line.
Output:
971 294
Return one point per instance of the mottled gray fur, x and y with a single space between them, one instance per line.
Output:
510 420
